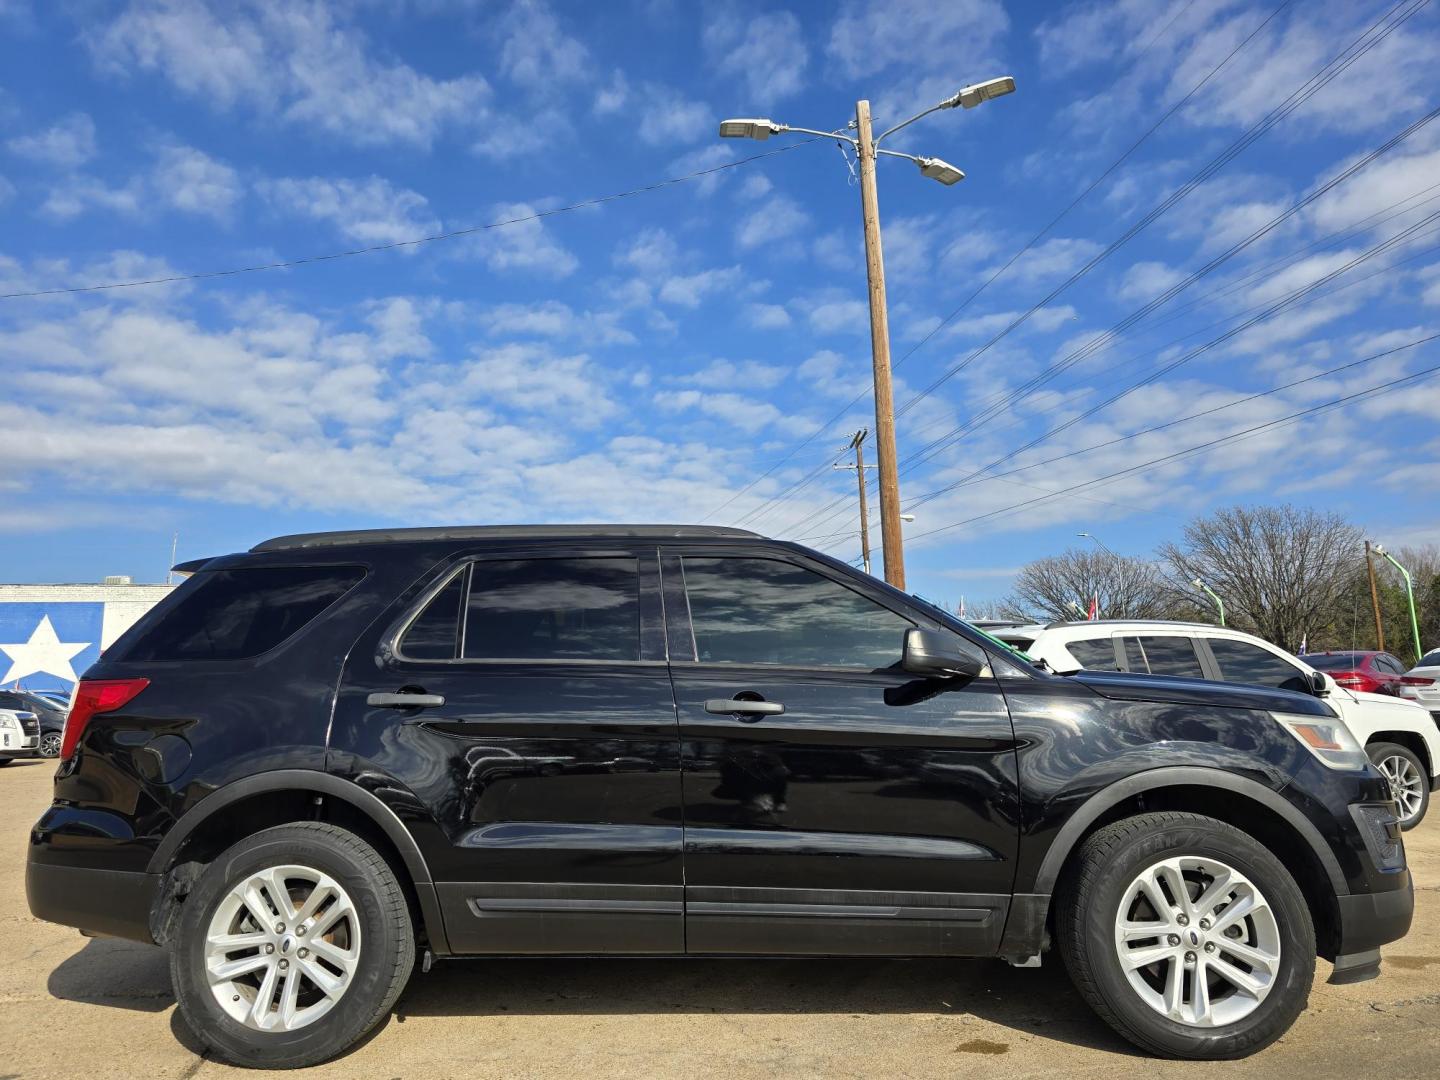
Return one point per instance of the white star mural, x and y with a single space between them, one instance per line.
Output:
44 652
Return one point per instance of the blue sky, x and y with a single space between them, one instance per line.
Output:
650 357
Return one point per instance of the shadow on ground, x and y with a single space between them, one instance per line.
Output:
124 975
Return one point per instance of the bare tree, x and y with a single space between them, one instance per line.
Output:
1281 570
1127 588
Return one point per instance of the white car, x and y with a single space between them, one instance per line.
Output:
1401 737
19 735
1421 684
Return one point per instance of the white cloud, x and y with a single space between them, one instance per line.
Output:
195 183
1146 280
706 157
872 35
301 63
689 290
746 414
525 245
65 144
554 319
767 316
778 218
729 375
839 316
75 195
767 53
612 96
667 118
368 211
537 53
535 379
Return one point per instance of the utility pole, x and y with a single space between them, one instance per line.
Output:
866 147
857 444
1375 600
891 541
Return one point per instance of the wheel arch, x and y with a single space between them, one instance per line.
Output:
1237 800
278 797
1412 741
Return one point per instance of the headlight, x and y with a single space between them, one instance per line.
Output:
1325 737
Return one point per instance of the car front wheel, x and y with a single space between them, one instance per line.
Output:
1187 936
1408 784
50 744
292 946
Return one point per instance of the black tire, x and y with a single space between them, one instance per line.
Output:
1088 907
50 744
5 761
1380 752
386 954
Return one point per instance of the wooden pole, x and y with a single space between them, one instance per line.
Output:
1375 600
890 536
859 445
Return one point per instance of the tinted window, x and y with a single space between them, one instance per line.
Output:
1387 663
1430 659
1340 661
1097 653
435 633
1172 656
553 609
1241 662
763 611
1135 656
234 614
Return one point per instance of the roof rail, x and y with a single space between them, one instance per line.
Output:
299 541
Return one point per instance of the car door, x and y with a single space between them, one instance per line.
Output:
1161 654
524 700
834 804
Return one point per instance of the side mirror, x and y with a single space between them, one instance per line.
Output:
1318 684
940 656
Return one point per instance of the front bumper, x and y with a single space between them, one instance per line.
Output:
13 746
1367 921
105 903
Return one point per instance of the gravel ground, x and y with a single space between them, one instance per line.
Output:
72 1007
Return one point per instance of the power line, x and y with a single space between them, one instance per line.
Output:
795 487
417 241
1199 448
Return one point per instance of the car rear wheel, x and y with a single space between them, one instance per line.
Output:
1187 936
1408 784
292 946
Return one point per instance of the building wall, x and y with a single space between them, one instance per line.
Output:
49 634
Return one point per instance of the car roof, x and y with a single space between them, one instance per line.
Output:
502 532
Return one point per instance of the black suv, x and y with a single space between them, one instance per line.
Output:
320 760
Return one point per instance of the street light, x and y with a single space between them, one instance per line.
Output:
1409 595
867 149
1101 543
1219 604
907 518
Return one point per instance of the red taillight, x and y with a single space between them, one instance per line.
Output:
1416 680
1357 680
93 697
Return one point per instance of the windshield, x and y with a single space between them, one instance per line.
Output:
1340 661
1430 659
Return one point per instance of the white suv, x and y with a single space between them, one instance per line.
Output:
1401 737
19 735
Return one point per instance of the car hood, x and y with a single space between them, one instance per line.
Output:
1130 686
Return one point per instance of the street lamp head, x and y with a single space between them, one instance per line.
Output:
970 96
1379 549
943 171
749 129
907 517
1197 583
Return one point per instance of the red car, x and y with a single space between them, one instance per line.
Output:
1371 672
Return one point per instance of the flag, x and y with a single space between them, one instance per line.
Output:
1094 612
1304 641
962 607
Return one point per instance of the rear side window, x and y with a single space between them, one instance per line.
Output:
1241 662
1172 656
553 609
237 614
1095 653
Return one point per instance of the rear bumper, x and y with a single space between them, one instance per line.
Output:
1367 921
108 903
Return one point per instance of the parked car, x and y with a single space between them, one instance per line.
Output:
1421 684
50 716
19 735
319 760
1401 739
1369 672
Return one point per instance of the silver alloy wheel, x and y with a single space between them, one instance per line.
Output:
1406 784
282 948
50 744
1197 941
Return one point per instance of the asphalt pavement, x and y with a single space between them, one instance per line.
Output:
74 1007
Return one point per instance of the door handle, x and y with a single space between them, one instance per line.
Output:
405 701
741 707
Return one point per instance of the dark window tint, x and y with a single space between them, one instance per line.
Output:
1340 661
1430 659
435 633
1096 653
1135 656
1241 662
554 609
234 614
1387 663
10 701
763 611
1172 656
